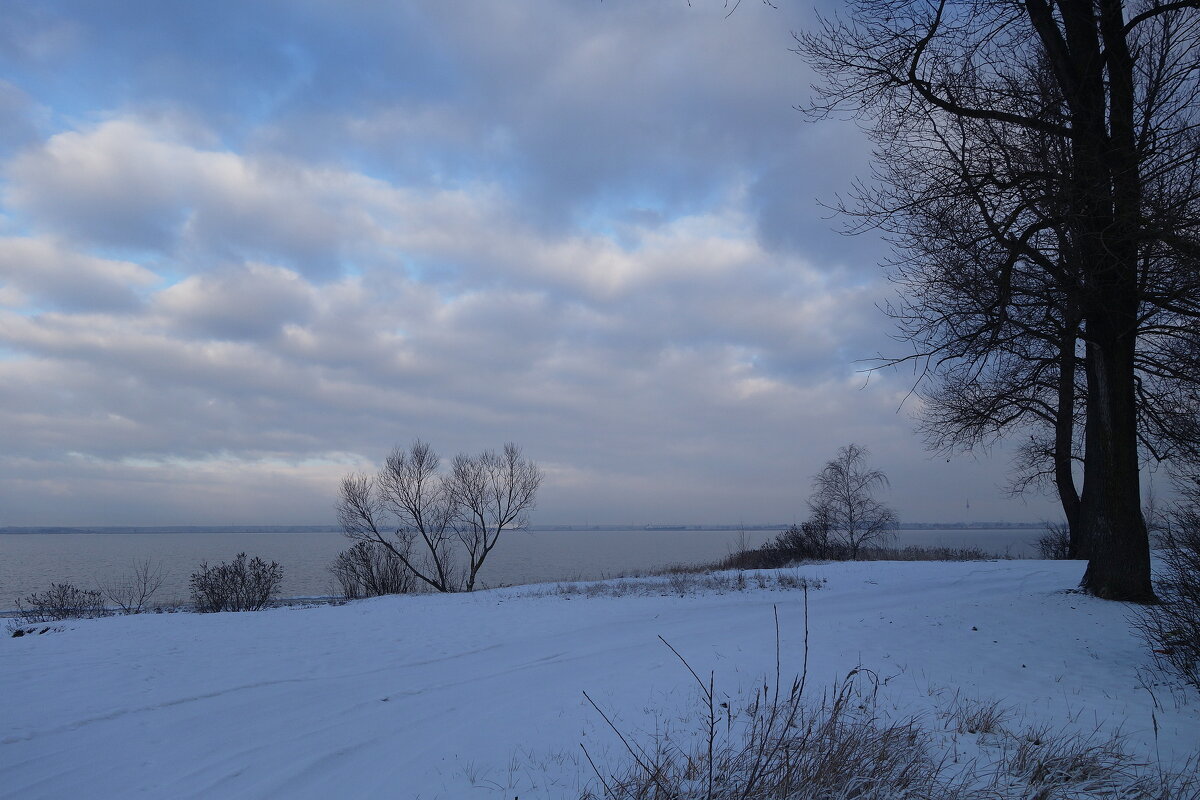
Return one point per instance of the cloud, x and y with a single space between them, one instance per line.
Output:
21 119
648 353
128 185
658 373
220 490
246 249
110 186
251 301
47 274
135 186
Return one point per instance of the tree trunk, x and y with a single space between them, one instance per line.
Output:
1064 440
1094 69
1110 509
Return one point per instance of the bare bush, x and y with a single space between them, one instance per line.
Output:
236 586
1055 543
62 601
132 591
808 541
1172 627
369 570
811 542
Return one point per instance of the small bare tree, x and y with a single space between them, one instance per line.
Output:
843 501
404 503
133 590
426 519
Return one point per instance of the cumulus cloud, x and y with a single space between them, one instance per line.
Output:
44 273
128 185
251 301
583 228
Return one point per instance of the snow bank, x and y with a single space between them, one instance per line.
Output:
481 695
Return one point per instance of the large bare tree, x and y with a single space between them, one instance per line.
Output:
1006 354
428 519
1064 136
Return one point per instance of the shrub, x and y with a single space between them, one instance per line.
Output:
370 570
809 542
1055 543
236 586
806 542
812 542
62 601
1172 627
133 590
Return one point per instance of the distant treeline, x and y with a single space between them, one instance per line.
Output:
178 529
904 526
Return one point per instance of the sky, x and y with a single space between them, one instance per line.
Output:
248 248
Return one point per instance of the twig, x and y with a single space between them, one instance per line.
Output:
708 695
638 758
804 669
607 791
778 671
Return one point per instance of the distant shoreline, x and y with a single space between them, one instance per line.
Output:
654 527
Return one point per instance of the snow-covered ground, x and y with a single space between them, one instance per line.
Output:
481 695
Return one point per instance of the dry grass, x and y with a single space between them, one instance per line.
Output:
1172 627
782 750
1044 765
979 717
683 584
782 747
778 747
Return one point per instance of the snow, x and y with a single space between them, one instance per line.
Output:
481 695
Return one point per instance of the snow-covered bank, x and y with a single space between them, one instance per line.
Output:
481 695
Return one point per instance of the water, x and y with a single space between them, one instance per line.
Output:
30 562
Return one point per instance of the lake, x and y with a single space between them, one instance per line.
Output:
30 562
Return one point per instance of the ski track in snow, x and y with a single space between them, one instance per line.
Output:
481 695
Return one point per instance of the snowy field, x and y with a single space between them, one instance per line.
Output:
481 695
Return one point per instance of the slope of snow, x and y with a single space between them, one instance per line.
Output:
481 695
